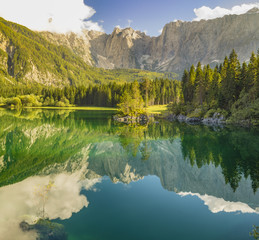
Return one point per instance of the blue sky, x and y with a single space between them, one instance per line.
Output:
150 15
103 15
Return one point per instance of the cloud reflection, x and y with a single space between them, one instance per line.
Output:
217 205
21 202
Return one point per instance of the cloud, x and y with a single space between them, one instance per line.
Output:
50 15
129 22
208 13
160 30
23 201
89 25
217 205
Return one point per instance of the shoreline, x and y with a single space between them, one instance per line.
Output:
152 112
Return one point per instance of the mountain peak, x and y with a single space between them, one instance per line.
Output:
253 10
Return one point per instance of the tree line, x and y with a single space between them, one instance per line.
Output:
152 92
230 88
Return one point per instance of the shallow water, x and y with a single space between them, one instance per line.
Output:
102 180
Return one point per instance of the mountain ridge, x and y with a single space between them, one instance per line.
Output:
180 44
74 59
27 57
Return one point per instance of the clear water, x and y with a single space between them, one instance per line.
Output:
90 178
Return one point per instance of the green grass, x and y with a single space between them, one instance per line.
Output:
157 109
78 108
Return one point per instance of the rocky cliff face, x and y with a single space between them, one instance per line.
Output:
180 44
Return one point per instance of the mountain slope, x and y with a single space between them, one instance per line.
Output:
62 59
180 45
28 57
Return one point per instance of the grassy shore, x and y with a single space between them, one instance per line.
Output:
157 109
77 108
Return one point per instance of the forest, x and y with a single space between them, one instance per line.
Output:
230 88
154 92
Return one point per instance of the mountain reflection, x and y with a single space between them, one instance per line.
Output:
67 152
218 162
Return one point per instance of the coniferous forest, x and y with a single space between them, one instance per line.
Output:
230 89
154 92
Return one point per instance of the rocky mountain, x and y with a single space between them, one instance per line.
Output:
180 45
61 59
28 57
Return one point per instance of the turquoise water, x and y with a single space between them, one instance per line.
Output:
96 179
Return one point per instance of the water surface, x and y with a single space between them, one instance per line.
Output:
95 179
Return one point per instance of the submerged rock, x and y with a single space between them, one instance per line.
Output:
193 120
46 230
141 119
181 118
216 119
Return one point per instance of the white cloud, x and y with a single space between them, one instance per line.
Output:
89 25
208 13
23 201
160 30
50 15
129 22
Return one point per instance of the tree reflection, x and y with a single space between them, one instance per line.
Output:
30 141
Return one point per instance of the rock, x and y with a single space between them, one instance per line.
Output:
193 120
25 226
217 119
141 119
181 118
171 117
46 230
205 41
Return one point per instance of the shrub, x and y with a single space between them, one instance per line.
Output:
210 113
30 101
177 108
197 113
2 100
60 104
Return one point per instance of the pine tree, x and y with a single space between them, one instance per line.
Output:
243 77
208 76
146 86
252 72
185 81
200 85
191 83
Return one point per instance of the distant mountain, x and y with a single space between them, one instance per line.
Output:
62 59
180 45
30 57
